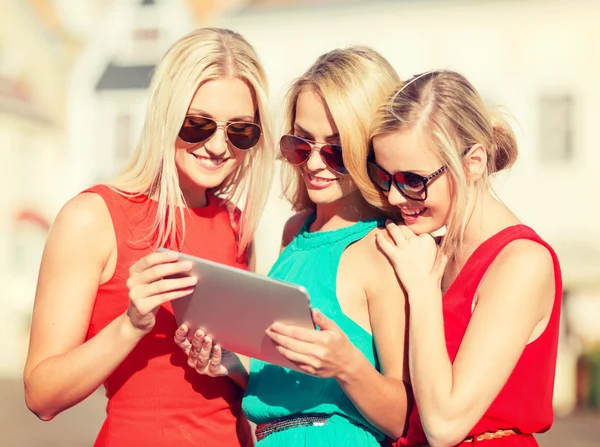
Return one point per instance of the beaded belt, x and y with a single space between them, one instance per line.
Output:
292 421
492 435
485 436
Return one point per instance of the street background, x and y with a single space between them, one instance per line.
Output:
73 80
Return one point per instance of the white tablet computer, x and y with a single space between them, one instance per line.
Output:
235 307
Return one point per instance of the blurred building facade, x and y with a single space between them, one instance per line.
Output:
35 56
89 63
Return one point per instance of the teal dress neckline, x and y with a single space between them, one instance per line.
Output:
307 240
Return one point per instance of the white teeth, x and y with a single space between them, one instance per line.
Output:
210 162
319 180
413 212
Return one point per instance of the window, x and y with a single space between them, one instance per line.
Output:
556 128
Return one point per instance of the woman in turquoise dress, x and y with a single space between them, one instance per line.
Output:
352 390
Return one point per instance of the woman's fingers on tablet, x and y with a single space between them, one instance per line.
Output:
197 341
153 259
195 348
181 338
290 343
214 364
170 285
146 304
157 272
147 297
296 332
204 347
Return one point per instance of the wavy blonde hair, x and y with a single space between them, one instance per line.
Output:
449 112
352 83
201 56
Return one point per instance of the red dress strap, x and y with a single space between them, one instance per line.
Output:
115 209
132 224
480 261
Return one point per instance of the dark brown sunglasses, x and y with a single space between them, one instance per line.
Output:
242 135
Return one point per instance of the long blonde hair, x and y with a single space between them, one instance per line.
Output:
352 83
200 56
447 109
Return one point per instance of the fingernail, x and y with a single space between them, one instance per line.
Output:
172 255
198 334
186 265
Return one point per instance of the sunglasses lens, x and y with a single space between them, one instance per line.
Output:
380 179
294 149
196 129
411 185
243 135
332 155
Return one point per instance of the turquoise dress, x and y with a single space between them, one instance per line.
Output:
273 392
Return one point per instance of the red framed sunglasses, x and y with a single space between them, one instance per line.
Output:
297 151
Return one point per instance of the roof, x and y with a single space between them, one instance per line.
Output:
119 77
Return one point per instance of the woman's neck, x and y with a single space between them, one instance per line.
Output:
342 213
488 217
195 197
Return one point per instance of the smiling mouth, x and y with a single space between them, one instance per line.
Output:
319 180
412 213
210 162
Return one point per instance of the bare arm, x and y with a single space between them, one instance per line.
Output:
382 398
61 370
514 304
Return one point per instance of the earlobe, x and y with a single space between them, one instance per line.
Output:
476 162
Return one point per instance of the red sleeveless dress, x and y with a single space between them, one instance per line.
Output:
154 398
525 401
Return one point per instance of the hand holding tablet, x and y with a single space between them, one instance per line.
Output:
235 307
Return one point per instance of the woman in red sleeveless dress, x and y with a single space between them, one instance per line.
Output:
102 313
485 305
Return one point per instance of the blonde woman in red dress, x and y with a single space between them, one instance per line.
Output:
206 141
485 305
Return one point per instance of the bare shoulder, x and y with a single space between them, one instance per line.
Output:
368 248
378 272
524 257
292 227
86 211
522 274
84 219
